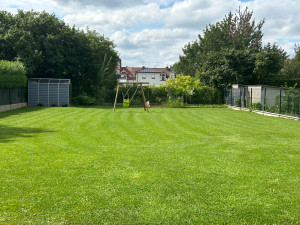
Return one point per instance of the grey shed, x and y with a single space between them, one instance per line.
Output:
48 92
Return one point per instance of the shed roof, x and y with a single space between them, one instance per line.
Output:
49 81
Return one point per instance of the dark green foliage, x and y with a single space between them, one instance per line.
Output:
257 106
237 102
12 74
268 63
83 99
289 82
157 95
207 95
290 103
291 68
136 102
175 102
50 48
161 95
231 51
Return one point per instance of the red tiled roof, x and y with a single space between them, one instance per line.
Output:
165 70
131 71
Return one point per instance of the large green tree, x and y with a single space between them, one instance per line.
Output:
231 51
50 48
292 66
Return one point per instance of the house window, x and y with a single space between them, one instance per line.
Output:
153 76
163 77
144 76
123 76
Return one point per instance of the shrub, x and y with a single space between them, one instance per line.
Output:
136 101
83 99
160 94
238 102
64 104
175 102
257 106
40 104
12 74
53 104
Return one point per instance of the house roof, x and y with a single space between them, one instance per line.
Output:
126 70
134 70
131 71
167 71
148 70
49 81
236 86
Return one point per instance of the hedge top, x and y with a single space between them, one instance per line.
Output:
12 74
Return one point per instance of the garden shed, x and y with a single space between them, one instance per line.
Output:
49 92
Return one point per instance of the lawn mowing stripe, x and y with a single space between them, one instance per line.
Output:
172 166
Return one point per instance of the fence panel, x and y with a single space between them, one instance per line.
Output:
290 102
9 96
270 99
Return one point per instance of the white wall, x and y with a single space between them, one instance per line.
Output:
156 81
4 108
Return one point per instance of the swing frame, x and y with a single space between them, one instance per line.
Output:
142 90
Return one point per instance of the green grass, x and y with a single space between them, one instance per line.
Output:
169 166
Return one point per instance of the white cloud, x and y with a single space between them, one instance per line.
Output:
101 3
153 32
196 14
110 21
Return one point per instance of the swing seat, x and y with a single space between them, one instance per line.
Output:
126 103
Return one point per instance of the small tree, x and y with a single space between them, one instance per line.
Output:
183 86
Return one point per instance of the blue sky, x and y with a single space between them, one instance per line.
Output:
153 32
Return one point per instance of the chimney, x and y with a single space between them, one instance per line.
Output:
119 65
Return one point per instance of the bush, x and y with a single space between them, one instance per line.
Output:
40 104
160 94
64 104
12 74
83 99
238 102
175 102
286 82
257 106
53 104
136 101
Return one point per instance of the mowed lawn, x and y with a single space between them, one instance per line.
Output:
169 166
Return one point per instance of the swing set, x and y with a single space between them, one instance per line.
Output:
128 100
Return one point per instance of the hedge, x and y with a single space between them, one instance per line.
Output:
289 82
12 74
160 95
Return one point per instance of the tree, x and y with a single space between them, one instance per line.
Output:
227 53
49 48
269 61
187 63
291 68
183 86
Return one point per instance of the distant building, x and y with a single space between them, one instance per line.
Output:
155 76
